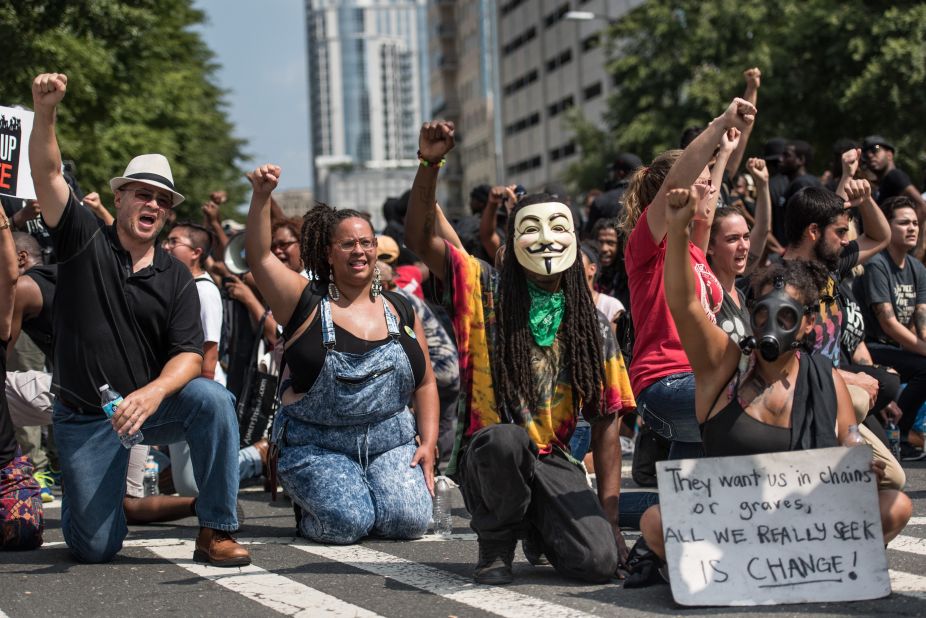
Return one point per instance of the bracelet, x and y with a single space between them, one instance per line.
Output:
425 163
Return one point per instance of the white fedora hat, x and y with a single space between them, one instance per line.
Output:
150 169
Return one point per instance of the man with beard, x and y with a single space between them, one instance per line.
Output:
534 354
818 223
127 315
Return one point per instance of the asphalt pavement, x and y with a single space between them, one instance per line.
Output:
155 574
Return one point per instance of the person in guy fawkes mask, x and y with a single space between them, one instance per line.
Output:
534 354
785 400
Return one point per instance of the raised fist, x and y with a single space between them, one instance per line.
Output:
753 78
435 140
740 114
48 89
680 208
857 191
211 212
850 161
265 178
730 140
219 197
758 170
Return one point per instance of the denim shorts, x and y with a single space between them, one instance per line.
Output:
668 408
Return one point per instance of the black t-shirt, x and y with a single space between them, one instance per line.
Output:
853 324
892 185
734 321
885 282
828 326
41 327
7 437
114 326
306 356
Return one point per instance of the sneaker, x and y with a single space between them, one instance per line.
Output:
908 452
46 482
494 566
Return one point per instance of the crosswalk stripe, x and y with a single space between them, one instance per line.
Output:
908 544
447 585
279 593
917 521
908 584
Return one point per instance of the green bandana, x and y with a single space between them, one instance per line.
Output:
546 313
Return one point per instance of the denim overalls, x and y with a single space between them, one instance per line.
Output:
346 445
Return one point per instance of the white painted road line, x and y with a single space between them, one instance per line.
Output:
917 521
279 593
447 585
908 584
908 544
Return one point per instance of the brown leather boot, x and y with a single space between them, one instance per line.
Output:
220 549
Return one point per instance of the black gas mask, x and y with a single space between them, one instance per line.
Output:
776 323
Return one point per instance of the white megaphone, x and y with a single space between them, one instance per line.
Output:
235 260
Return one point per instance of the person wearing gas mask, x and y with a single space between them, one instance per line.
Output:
534 354
786 399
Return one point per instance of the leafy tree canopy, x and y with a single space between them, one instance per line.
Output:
830 69
140 79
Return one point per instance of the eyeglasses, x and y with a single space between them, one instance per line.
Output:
173 241
286 244
874 148
145 196
348 245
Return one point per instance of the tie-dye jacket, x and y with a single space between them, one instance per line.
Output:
470 293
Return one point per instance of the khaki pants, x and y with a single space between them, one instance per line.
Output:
894 476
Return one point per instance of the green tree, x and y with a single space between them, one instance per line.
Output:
140 79
830 69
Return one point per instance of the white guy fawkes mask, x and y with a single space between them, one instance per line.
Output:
545 238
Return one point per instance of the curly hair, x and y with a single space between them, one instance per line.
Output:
318 227
807 277
581 336
643 187
293 224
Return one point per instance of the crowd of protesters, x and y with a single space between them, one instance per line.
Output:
689 308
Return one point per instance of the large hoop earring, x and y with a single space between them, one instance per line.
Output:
377 287
333 292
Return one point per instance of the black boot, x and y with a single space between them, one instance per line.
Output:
533 550
494 566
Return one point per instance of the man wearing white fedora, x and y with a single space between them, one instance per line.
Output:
127 315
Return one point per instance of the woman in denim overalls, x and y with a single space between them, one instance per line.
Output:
348 451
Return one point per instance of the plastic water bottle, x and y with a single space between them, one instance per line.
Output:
853 437
893 438
110 400
151 477
443 517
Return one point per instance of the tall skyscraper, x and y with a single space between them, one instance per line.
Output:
368 87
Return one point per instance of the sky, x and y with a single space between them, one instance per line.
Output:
261 49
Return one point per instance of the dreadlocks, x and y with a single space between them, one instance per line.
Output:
580 333
317 228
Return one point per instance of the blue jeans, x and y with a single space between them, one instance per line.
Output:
580 441
668 408
94 464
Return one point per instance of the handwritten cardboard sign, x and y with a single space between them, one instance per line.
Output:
15 175
777 528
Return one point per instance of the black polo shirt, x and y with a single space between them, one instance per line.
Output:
113 326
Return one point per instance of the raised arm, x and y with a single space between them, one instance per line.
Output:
280 286
445 230
434 142
213 223
95 204
877 230
738 115
9 273
753 78
44 155
488 235
850 160
711 353
704 213
758 236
